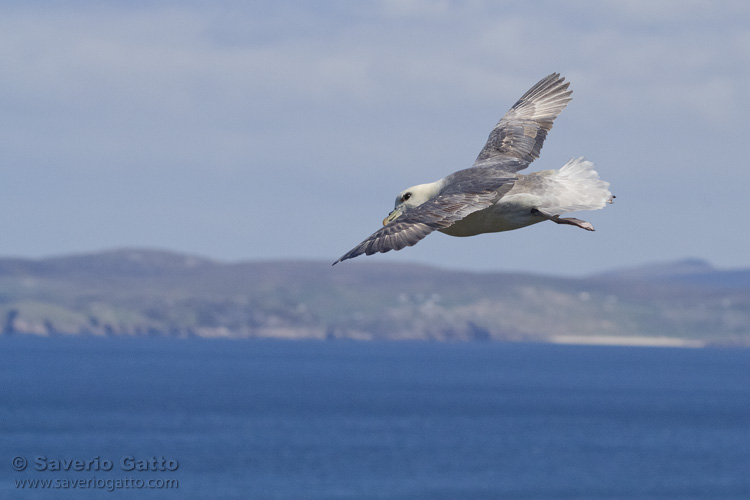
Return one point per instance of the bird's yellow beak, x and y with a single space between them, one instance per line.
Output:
392 216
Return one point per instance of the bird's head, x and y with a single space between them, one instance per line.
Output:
413 197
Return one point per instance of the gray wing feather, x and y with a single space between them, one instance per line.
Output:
521 132
442 211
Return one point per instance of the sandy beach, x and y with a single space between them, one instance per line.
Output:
626 341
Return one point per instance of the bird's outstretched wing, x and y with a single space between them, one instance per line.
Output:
521 132
440 212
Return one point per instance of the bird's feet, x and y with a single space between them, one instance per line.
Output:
564 220
574 222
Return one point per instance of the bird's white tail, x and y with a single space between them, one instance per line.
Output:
576 186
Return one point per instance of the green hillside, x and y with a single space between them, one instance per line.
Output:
142 292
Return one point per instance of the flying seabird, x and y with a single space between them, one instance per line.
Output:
491 196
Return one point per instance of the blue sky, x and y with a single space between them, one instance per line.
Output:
266 130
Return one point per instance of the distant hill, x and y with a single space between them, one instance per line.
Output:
146 292
688 271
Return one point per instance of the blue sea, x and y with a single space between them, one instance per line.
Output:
216 419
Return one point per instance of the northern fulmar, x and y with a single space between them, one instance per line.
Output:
491 196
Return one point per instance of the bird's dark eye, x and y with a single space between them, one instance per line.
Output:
406 196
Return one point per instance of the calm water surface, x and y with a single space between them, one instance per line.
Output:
349 420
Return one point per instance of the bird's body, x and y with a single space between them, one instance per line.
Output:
574 187
491 196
